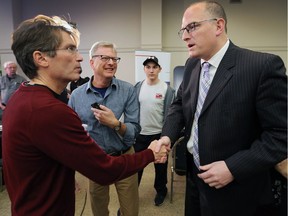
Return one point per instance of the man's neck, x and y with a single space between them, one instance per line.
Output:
12 76
152 82
55 87
101 82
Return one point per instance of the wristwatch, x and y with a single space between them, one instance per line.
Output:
118 127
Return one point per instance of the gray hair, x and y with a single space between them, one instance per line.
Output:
8 63
99 44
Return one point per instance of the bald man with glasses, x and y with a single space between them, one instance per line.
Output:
232 103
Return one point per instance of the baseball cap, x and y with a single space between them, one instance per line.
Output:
153 59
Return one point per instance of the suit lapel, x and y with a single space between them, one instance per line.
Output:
192 83
195 85
221 78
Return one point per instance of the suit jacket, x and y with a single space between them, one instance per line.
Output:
243 121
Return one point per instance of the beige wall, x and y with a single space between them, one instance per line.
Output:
149 25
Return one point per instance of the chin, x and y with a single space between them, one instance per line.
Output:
75 77
193 55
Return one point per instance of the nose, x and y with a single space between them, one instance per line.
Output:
110 61
79 57
185 35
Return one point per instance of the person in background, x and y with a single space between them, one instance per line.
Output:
155 97
114 125
43 139
9 83
64 96
239 131
77 83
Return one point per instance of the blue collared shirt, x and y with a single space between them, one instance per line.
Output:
121 98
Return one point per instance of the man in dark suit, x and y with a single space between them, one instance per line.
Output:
239 131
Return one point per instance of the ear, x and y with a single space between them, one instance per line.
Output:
91 62
40 59
220 26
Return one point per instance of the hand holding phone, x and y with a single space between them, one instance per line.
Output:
96 105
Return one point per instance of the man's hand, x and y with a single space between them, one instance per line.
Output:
160 155
216 174
105 116
282 168
2 106
163 141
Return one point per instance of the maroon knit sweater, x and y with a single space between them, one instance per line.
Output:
43 144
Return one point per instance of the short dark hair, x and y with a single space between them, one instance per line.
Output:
40 33
216 10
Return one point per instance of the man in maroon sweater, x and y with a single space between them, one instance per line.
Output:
43 140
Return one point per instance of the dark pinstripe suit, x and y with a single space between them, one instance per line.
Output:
243 122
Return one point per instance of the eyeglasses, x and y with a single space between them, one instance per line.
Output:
105 58
70 49
192 26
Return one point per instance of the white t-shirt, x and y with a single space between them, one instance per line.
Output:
151 98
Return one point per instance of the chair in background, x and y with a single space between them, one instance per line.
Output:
178 161
179 148
178 73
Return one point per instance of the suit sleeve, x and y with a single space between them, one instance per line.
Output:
271 108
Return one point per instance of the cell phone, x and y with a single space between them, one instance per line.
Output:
96 105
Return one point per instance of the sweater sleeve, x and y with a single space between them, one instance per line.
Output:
63 138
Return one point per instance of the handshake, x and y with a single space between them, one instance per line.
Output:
161 149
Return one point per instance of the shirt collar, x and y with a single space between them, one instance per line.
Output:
216 59
90 88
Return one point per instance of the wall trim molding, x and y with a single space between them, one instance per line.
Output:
255 48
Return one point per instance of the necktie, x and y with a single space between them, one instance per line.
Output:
203 90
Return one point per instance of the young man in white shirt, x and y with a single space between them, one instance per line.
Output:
155 97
